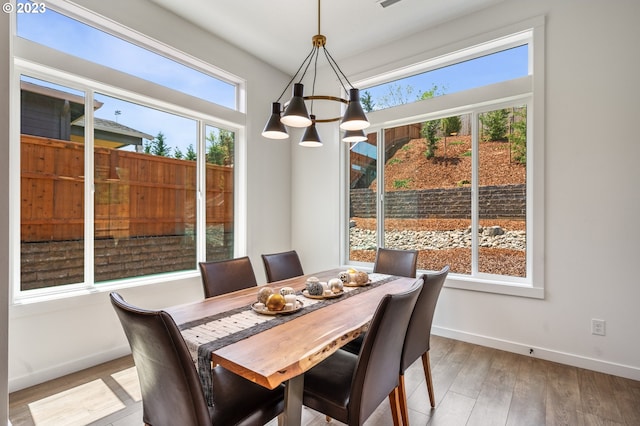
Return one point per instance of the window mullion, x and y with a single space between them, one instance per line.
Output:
474 192
380 189
89 191
201 201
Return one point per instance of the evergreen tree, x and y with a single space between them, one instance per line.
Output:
191 153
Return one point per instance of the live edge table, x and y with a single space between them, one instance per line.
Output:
282 353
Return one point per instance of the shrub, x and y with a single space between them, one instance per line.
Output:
518 136
401 183
428 131
495 124
451 125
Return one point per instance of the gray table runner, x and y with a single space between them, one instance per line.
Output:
206 335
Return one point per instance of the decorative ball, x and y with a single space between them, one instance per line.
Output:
362 278
336 285
345 277
287 290
264 293
315 288
275 302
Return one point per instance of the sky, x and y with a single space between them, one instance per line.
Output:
70 36
65 34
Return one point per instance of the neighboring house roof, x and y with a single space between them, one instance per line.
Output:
113 127
55 93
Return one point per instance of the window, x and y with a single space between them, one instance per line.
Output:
480 71
116 186
457 178
60 32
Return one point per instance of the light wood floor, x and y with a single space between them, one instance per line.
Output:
474 385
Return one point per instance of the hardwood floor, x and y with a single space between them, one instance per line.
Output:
474 385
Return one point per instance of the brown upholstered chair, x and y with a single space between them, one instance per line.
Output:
417 339
349 387
171 389
281 266
402 263
396 262
225 276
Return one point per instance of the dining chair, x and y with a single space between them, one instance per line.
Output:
349 387
281 266
418 337
391 262
225 276
171 389
396 262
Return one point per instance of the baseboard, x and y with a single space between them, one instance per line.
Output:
599 365
41 376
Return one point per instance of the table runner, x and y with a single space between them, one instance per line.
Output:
206 335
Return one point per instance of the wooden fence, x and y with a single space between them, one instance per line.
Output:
136 195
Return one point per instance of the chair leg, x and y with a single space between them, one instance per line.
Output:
427 374
395 412
402 397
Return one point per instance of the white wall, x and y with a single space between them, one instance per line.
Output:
592 201
47 340
5 54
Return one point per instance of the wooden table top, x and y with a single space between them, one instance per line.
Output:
271 357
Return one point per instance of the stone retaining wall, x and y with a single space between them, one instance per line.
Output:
54 263
495 202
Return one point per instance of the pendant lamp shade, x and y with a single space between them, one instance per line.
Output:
354 136
311 138
354 117
274 128
296 114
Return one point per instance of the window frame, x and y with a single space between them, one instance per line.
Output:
526 90
47 64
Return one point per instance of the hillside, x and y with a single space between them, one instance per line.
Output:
408 168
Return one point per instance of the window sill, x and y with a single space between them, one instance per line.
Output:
493 286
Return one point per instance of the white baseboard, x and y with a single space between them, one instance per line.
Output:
580 361
41 376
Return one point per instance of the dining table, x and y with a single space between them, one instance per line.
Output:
277 349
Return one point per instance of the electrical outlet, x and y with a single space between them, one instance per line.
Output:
598 327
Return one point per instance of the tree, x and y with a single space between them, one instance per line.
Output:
367 102
158 146
518 136
190 154
220 149
177 153
495 124
451 125
429 131
431 93
396 95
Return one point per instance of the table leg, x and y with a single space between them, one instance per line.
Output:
293 401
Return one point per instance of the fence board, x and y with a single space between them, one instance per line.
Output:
136 195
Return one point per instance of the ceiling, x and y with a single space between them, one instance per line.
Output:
279 31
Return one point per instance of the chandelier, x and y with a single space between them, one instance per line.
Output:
296 114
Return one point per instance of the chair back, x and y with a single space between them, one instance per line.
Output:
282 266
418 335
376 374
402 263
225 276
171 389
